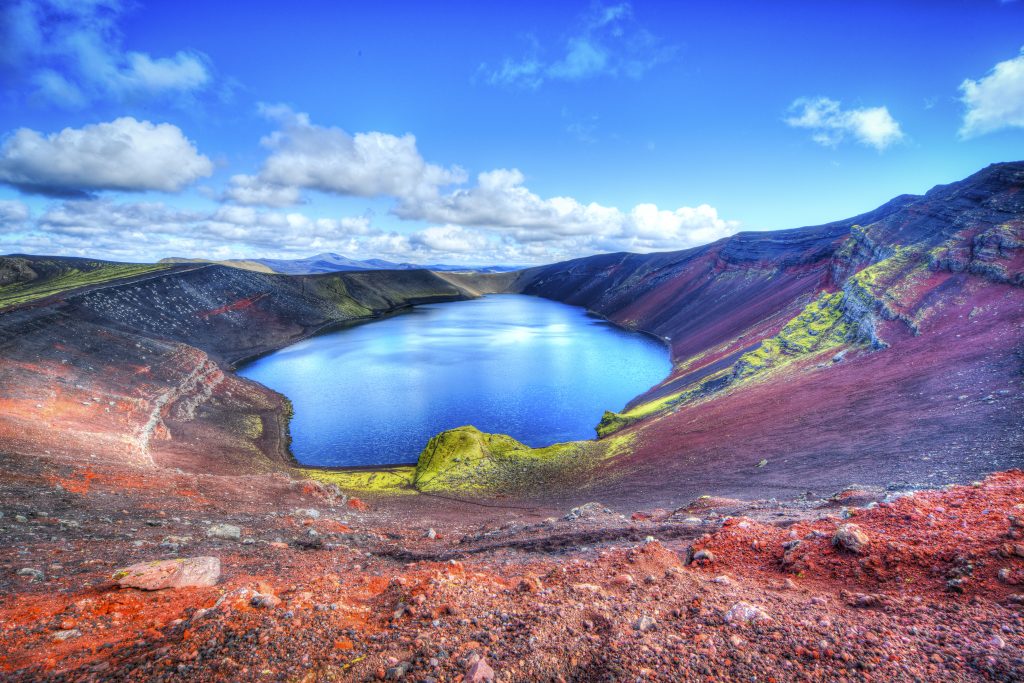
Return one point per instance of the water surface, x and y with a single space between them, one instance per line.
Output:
539 370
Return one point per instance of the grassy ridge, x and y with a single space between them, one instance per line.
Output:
70 279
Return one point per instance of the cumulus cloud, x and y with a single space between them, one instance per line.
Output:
500 201
13 215
71 52
131 230
151 230
505 212
831 124
252 191
608 41
307 156
450 239
996 100
124 154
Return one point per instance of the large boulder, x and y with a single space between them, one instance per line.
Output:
179 573
851 537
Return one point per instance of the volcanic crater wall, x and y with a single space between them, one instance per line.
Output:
139 370
885 349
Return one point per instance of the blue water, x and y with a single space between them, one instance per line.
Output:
539 370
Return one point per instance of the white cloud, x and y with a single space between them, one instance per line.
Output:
13 215
505 213
252 191
831 124
450 239
607 42
71 51
124 154
307 156
501 202
996 100
153 229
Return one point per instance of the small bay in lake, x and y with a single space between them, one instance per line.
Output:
538 370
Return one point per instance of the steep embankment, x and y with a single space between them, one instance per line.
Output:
137 369
883 349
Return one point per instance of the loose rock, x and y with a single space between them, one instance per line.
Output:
179 573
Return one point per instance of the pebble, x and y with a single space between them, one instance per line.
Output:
31 573
66 634
744 613
645 623
479 672
226 532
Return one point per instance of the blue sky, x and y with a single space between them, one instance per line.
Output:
472 132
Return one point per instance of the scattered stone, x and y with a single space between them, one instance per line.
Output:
226 532
311 513
644 623
179 573
722 580
1016 526
587 511
744 613
851 537
174 543
623 580
530 584
703 556
398 671
763 463
866 600
479 672
31 574
265 600
357 504
431 534
66 634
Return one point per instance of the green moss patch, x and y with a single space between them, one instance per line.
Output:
391 480
71 279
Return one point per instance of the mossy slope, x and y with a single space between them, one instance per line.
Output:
822 325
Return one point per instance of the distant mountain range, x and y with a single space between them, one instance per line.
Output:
333 263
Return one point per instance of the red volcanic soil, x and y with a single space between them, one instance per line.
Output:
597 595
885 418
